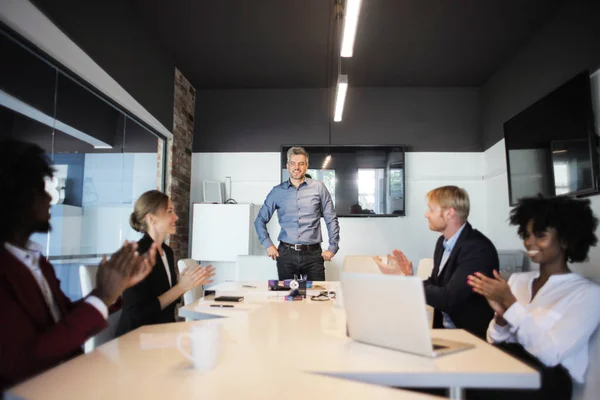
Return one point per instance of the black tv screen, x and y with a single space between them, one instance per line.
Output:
551 146
364 181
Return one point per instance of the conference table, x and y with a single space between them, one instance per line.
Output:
272 348
311 336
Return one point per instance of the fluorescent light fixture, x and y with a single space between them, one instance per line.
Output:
326 161
340 97
559 151
25 109
351 12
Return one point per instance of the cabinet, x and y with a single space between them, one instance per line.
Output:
221 232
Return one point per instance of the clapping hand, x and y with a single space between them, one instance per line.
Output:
125 268
192 277
496 290
398 264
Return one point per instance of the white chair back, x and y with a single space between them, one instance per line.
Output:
361 264
255 268
424 268
191 295
87 277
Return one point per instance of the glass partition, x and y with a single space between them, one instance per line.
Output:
103 158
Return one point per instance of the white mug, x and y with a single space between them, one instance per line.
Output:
205 342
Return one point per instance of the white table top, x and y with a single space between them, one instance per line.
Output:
312 336
278 346
144 364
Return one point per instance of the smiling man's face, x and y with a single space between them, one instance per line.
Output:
297 166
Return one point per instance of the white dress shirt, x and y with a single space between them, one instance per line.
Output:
30 257
556 325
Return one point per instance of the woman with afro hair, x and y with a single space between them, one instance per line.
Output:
546 317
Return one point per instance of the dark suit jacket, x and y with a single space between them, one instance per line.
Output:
30 340
141 305
450 293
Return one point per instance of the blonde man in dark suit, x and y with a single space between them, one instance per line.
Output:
459 252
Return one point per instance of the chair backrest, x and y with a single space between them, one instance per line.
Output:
87 277
191 295
255 268
424 268
361 264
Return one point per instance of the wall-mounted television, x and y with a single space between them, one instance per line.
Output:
551 147
364 181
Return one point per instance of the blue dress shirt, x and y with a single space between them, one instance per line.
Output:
448 246
299 211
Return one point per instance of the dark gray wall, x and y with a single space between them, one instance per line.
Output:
111 33
425 119
566 45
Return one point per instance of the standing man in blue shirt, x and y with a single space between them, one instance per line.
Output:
300 203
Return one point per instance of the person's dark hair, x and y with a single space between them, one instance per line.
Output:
148 203
574 221
23 167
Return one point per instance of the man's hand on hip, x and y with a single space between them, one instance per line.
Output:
272 252
327 255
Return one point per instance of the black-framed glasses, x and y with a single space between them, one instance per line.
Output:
323 296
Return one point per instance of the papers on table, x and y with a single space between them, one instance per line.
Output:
219 306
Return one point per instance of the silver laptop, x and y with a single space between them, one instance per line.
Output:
389 311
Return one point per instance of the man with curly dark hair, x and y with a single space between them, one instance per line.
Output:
41 327
546 317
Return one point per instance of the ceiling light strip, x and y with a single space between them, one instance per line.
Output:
350 23
340 97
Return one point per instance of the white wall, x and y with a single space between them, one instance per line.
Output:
497 205
254 174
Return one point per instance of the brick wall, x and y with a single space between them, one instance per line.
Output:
179 161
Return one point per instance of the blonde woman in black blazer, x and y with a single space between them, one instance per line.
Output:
153 300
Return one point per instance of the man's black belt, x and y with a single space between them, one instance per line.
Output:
302 247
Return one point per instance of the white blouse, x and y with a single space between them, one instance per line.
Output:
556 325
166 265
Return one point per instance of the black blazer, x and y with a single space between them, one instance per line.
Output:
140 302
450 293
